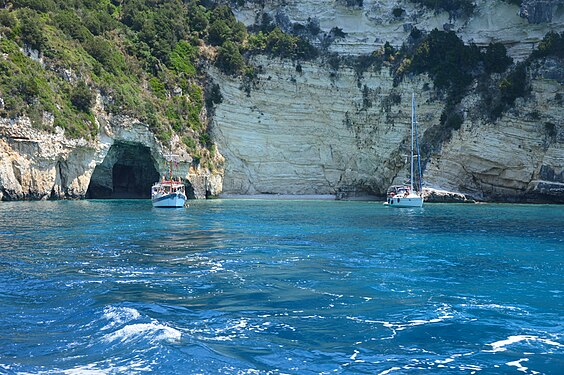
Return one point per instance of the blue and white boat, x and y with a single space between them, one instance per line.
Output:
169 192
408 195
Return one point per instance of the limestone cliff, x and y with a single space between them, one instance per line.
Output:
369 26
122 161
311 128
314 130
518 158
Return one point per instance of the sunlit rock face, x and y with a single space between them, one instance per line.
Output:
321 132
123 161
374 22
314 130
317 132
518 158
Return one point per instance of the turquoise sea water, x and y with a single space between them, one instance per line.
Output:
280 287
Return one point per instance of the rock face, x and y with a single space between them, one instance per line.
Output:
540 11
321 132
369 26
122 162
314 130
518 158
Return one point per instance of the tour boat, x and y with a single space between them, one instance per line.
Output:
168 192
404 195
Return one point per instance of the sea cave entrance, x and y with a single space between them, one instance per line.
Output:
128 171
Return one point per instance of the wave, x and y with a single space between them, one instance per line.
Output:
500 346
119 315
151 331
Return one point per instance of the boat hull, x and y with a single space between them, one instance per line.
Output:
174 200
405 202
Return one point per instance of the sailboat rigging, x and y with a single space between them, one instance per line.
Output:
403 195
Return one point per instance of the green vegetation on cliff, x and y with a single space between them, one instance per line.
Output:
145 58
141 56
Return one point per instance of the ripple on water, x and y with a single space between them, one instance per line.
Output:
258 287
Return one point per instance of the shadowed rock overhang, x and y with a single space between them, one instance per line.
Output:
128 171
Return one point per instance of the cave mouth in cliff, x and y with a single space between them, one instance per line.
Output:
127 172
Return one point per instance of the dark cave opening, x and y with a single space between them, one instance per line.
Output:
127 172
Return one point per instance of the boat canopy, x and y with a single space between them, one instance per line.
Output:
398 189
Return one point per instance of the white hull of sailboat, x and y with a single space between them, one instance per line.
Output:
405 202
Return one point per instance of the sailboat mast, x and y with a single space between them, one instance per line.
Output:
412 123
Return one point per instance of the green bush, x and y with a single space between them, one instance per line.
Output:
198 20
446 59
495 58
229 59
72 25
32 30
81 97
514 85
182 58
7 19
551 45
38 5
398 12
225 27
157 87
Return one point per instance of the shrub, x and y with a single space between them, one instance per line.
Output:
214 96
198 19
157 87
43 6
81 97
353 3
398 12
453 7
218 33
447 60
514 85
337 32
229 59
71 25
452 120
182 57
551 45
495 58
7 19
32 30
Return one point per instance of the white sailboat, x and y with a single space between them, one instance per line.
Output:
168 192
402 195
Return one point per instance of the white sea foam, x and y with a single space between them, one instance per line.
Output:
444 315
106 367
494 306
500 346
119 315
353 357
518 364
389 370
152 331
86 370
